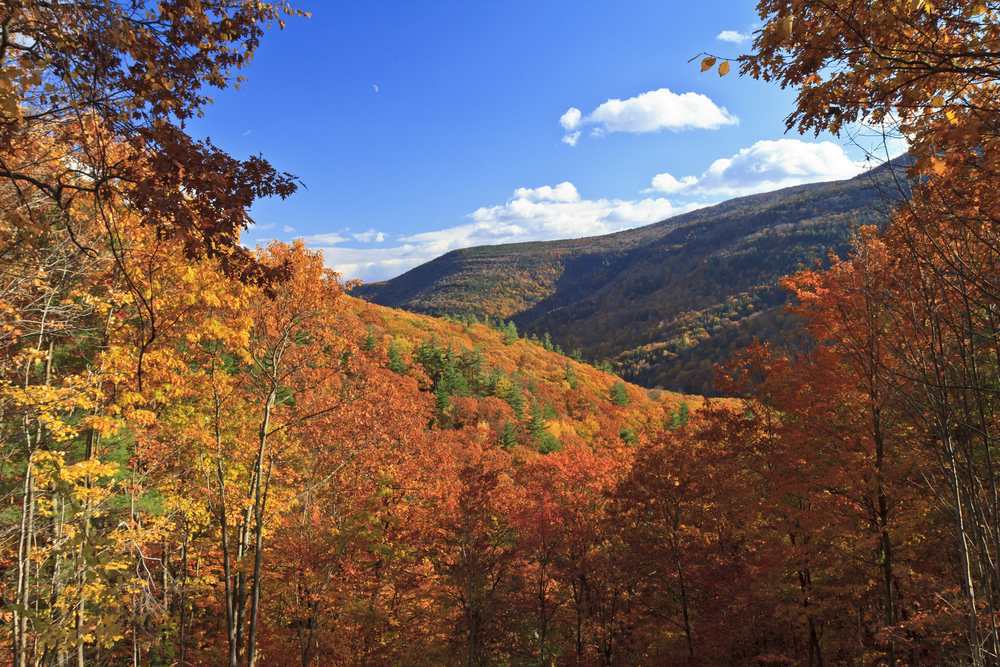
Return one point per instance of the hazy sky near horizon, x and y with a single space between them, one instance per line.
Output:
419 127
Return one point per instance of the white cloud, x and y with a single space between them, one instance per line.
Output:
650 112
531 214
571 119
734 36
288 229
325 239
765 166
370 235
564 192
375 264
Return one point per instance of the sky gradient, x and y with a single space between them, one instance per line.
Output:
421 127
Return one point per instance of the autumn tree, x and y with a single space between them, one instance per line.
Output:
114 82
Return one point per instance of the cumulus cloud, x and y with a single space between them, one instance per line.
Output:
370 235
765 166
650 112
288 229
571 119
564 192
530 214
734 36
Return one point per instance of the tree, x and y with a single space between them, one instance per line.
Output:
619 394
115 80
933 67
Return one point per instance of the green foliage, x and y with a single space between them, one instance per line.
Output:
369 342
510 333
396 364
679 418
619 394
548 444
508 435
570 375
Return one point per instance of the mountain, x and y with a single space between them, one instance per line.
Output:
664 302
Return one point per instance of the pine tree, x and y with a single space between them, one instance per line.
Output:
508 435
510 333
571 375
396 364
619 394
680 417
369 341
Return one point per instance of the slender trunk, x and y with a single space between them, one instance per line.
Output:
973 626
684 600
260 486
23 565
888 600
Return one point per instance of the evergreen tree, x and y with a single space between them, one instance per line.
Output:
431 357
470 363
369 342
570 375
544 441
396 364
619 394
680 417
508 435
452 380
442 405
510 333
516 399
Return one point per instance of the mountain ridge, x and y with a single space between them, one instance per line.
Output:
647 297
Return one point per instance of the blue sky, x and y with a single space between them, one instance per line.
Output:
508 121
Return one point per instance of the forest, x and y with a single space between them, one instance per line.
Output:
215 455
665 302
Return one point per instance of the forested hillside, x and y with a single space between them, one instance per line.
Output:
286 475
665 302
213 455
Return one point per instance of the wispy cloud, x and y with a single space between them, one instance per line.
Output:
247 132
571 138
325 239
370 235
765 166
288 229
530 214
649 112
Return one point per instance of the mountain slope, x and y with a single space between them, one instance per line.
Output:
665 301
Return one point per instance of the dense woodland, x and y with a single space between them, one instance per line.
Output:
214 455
